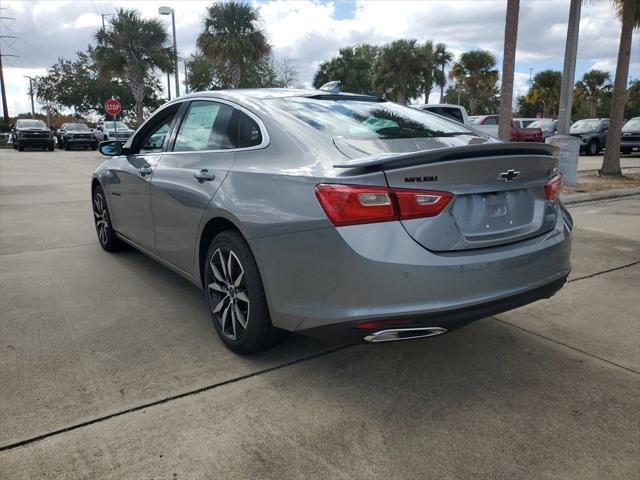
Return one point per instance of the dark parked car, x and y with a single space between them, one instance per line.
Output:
76 135
592 133
548 126
29 133
630 136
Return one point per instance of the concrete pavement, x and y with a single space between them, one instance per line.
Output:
585 162
110 368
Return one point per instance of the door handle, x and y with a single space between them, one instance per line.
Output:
146 170
204 175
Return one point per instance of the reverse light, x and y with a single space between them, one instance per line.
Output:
552 187
358 204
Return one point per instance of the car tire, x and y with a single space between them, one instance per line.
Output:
234 292
52 147
107 237
625 151
66 146
593 147
94 146
20 147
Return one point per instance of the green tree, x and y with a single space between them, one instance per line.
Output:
629 14
593 85
545 89
353 67
430 69
231 36
76 84
442 58
267 72
133 48
398 71
632 108
477 76
484 106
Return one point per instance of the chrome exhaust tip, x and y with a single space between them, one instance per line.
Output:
397 334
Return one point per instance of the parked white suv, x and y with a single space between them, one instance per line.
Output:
453 112
106 130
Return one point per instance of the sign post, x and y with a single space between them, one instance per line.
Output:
113 108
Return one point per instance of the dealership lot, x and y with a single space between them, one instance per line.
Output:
110 368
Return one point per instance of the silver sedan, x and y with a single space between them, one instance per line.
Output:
334 214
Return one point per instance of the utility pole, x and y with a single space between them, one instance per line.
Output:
569 147
569 70
33 108
186 75
530 77
168 87
5 110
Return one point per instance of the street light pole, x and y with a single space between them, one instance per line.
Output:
171 11
33 108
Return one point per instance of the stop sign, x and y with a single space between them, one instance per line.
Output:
112 107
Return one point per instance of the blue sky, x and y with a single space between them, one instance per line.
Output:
310 32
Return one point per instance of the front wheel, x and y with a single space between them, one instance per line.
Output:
593 147
236 297
20 147
106 236
625 151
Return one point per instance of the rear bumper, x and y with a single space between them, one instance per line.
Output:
332 277
447 319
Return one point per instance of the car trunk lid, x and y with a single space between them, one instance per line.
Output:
498 192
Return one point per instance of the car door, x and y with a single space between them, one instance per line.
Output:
186 178
131 175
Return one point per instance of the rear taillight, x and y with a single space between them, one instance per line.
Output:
357 204
552 187
421 203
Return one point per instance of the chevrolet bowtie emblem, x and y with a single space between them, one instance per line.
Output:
508 175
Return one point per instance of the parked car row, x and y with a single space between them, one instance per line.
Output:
32 133
519 131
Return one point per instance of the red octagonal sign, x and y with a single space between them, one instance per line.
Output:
112 107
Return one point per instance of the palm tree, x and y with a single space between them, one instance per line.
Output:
629 13
475 72
133 48
593 83
231 35
508 67
545 89
442 58
398 72
429 68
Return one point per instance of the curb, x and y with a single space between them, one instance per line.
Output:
573 198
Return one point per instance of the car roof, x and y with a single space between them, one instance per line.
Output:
270 93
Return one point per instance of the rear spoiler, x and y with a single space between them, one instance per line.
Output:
399 160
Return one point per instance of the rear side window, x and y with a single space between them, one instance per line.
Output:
452 113
249 134
206 126
490 121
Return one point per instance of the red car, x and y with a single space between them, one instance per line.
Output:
489 125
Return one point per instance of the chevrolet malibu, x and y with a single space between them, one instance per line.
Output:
334 214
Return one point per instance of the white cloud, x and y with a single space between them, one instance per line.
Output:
313 31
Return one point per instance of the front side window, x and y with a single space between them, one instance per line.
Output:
156 139
490 121
206 126
366 119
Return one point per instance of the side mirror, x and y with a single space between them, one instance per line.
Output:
110 148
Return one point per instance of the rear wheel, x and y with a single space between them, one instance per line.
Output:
593 148
236 297
626 151
106 236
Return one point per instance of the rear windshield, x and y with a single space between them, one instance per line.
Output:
77 126
368 119
585 125
31 124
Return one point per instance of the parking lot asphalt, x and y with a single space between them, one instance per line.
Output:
110 368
